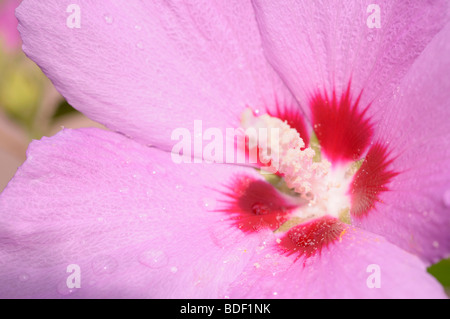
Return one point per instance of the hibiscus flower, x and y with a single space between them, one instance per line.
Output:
357 208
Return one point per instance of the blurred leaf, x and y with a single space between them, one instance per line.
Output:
441 271
64 108
19 94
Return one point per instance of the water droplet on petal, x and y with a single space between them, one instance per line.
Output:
173 269
143 216
231 259
108 19
208 203
24 277
154 259
179 187
138 27
435 244
35 182
104 264
140 45
64 290
157 169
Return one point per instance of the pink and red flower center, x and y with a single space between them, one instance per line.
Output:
312 192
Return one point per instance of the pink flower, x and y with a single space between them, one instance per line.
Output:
8 24
138 225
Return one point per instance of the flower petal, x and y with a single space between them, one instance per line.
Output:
146 68
321 45
137 224
357 265
415 213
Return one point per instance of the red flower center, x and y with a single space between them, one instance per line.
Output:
308 209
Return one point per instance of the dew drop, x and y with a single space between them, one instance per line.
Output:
143 216
149 192
154 259
179 187
35 182
104 264
64 290
219 238
435 244
207 203
24 277
108 19
231 259
139 45
138 27
157 170
173 269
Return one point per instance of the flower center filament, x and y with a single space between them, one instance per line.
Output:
319 188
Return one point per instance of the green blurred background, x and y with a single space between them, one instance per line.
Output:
30 107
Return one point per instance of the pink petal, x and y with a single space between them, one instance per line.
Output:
146 68
321 45
137 224
415 213
345 268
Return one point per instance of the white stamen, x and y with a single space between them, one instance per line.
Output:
283 152
324 189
